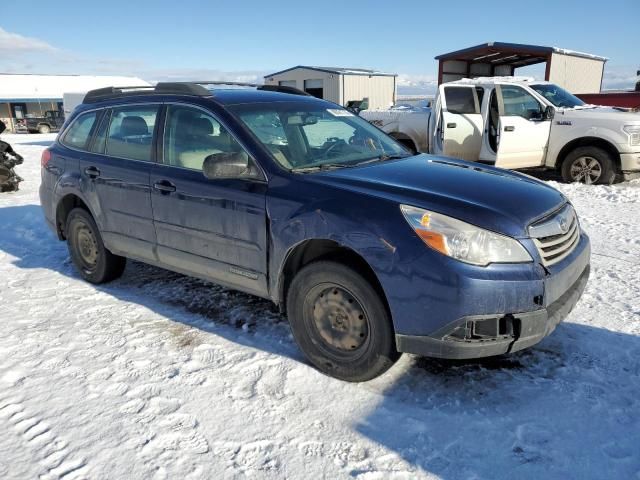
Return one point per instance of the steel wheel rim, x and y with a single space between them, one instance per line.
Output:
86 246
339 320
586 170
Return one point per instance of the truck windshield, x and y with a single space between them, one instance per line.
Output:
557 96
307 136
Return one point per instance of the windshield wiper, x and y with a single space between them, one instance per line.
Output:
321 167
383 158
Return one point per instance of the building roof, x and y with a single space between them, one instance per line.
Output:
21 87
338 70
514 54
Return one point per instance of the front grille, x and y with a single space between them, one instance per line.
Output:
554 242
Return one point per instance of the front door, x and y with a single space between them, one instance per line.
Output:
458 131
115 176
523 129
214 229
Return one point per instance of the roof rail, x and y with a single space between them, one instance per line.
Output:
283 89
178 88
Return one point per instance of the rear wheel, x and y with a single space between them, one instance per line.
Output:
44 129
95 263
589 165
340 322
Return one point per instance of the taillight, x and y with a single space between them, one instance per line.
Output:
46 156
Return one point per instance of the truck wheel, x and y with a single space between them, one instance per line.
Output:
340 322
590 165
409 145
95 263
44 129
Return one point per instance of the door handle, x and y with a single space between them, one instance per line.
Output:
92 172
509 128
164 187
451 125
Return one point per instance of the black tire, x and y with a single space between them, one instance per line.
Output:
95 263
44 129
408 144
590 165
367 337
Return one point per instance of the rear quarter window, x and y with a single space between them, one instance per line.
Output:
79 132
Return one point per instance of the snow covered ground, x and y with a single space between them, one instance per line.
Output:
159 376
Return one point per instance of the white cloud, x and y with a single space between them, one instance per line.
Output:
16 43
619 77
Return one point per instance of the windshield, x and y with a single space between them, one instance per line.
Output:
306 135
557 96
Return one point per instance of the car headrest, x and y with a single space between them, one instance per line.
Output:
201 126
133 125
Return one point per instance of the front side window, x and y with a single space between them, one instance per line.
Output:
460 100
78 134
517 102
131 132
191 135
308 134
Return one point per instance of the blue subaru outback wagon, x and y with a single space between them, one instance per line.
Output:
369 250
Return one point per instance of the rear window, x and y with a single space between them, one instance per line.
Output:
79 131
460 100
131 132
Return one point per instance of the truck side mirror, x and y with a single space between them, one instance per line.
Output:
549 112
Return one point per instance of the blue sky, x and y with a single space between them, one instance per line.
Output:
245 40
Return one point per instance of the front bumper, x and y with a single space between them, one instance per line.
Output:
502 333
630 165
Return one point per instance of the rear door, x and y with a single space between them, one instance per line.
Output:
523 128
115 177
215 229
459 125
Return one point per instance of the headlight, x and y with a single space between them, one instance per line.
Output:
634 134
463 241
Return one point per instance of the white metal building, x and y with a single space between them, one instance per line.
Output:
23 96
340 85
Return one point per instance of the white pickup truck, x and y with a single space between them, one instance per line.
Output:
521 123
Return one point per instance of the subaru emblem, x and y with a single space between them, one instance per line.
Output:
563 225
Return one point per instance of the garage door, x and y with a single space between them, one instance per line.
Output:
314 87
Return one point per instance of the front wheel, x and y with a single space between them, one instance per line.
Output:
95 263
589 165
44 129
340 322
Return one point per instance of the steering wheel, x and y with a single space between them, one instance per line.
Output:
337 142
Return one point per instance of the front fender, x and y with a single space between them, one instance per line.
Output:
327 219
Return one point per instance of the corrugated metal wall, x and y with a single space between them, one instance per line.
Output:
380 90
331 81
576 74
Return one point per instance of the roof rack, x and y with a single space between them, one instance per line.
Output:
178 88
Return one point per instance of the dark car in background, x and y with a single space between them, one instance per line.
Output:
51 122
370 251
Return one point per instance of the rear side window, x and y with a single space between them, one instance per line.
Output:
460 100
79 131
131 132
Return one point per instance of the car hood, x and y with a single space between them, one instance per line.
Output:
599 113
495 199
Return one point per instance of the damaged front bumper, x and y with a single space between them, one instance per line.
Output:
477 336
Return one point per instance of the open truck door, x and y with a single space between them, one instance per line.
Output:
458 123
523 128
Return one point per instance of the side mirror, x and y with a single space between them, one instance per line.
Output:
227 165
549 112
